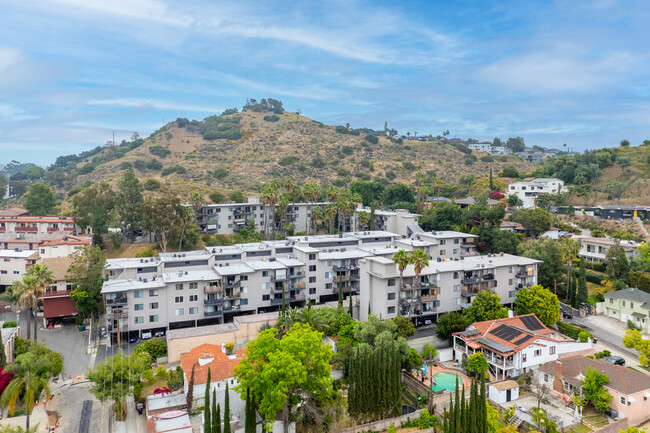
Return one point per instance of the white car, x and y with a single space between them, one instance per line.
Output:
146 335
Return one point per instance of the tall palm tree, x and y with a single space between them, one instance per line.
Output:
316 216
419 259
12 295
270 199
313 317
570 250
330 215
23 291
43 277
26 383
402 259
287 320
364 219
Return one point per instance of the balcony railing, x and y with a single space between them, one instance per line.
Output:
477 279
522 274
213 289
468 244
56 293
116 301
280 277
428 298
232 308
213 313
212 301
52 229
232 284
298 286
343 268
26 229
409 301
344 278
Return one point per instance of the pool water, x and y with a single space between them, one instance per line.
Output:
445 381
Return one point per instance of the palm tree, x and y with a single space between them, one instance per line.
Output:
419 259
43 277
330 215
316 216
22 290
364 219
313 317
570 250
26 383
270 199
12 295
311 191
402 259
287 320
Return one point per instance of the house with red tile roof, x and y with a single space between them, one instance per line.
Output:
56 298
630 389
514 345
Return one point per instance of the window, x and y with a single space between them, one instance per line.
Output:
266 297
456 276
138 320
545 377
391 296
138 307
243 278
456 241
624 303
611 300
511 269
3 272
42 250
456 287
153 318
312 279
551 350
265 273
194 310
138 294
179 286
523 357
443 252
312 290
457 300
390 310
511 294
443 242
511 281
391 282
266 286
153 292
312 268
328 286
243 301
178 299
538 352
312 257
622 400
328 275
194 286
631 304
455 251
153 305
194 298
179 312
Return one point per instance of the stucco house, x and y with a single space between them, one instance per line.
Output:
630 389
628 304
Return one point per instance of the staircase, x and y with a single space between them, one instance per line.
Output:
516 419
640 223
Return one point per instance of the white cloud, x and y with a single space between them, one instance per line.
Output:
152 10
151 103
11 113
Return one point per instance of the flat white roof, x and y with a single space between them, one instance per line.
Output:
113 286
447 234
415 242
342 255
185 255
380 251
372 234
22 254
255 246
135 262
182 276
234 269
289 261
231 249
266 264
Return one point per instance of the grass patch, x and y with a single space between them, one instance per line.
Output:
594 288
581 428
149 387
597 420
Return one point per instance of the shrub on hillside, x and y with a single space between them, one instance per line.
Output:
370 138
159 151
271 118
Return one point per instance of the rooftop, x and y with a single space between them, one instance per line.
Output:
20 254
59 266
210 356
631 294
182 276
114 286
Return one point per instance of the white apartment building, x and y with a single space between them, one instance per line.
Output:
446 244
444 285
529 191
398 221
594 250
489 148
14 263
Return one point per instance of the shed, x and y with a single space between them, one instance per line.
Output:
503 391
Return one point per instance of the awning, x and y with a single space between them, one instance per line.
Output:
59 307
640 315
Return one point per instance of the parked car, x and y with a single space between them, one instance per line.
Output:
567 314
616 360
146 335
564 234
133 338
159 333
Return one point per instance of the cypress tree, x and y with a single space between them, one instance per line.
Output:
582 294
351 313
189 398
491 181
283 308
207 419
452 417
226 411
340 293
482 408
3 355
457 410
216 413
250 414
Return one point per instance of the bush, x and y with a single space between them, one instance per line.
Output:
342 172
347 150
370 138
220 173
151 184
487 158
317 162
469 159
125 165
20 346
161 372
140 165
509 172
583 336
154 348
154 164
88 168
182 122
570 330
219 127
390 175
159 151
146 253
230 347
603 354
174 169
271 118
408 166
289 160
341 129
10 324
631 325
175 380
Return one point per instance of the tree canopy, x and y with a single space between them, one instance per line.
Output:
538 301
86 273
40 200
485 306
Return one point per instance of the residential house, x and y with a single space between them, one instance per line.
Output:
514 345
529 191
14 263
170 422
595 250
56 298
628 305
630 389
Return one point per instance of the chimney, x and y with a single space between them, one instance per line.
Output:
558 370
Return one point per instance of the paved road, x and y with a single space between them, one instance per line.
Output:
69 407
604 334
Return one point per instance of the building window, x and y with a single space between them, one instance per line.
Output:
153 305
456 241
538 352
153 318
178 299
138 320
194 310
243 278
545 377
511 294
457 300
622 400
138 294
455 251
312 257
328 275
265 273
390 310
523 357
456 287
153 292
611 300
551 350
391 282
179 312
179 286
328 286
443 242
624 303
312 290
243 302
266 297
138 307
443 252
194 286
194 298
631 304
391 296
511 282
312 268
312 279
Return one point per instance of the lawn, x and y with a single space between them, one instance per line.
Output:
597 420
580 428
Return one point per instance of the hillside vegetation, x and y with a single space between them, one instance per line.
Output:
240 151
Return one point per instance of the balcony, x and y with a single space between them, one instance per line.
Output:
522 274
213 313
345 268
475 279
409 301
52 229
344 289
212 289
344 278
232 295
213 301
231 308
279 277
26 229
428 298
116 301
297 275
297 286
69 229
468 291
468 244
232 284
56 293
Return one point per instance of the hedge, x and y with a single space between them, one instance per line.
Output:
570 330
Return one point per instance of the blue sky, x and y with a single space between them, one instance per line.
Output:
575 72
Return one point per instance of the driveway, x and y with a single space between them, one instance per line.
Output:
69 407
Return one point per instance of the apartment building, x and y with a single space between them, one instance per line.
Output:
36 224
446 244
489 148
230 218
398 221
445 285
595 250
529 191
14 263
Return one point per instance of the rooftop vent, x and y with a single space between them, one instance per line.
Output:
205 359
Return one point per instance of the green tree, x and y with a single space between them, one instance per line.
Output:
538 301
86 274
402 259
404 327
535 220
207 409
552 269
93 207
451 322
443 216
429 351
3 355
477 363
594 391
216 413
152 349
40 200
513 200
226 411
114 380
129 201
162 215
249 412
189 397
582 294
42 278
633 339
623 162
617 264
398 193
570 250
485 306
419 259
237 197
282 373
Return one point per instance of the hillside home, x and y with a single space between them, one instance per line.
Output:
595 250
514 345
14 263
56 298
628 304
630 389
529 191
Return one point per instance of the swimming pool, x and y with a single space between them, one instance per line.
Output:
445 380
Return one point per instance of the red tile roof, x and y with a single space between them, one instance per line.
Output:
221 367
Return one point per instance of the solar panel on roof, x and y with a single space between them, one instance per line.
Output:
531 322
523 339
494 345
506 332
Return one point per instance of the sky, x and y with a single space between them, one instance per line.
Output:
74 71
